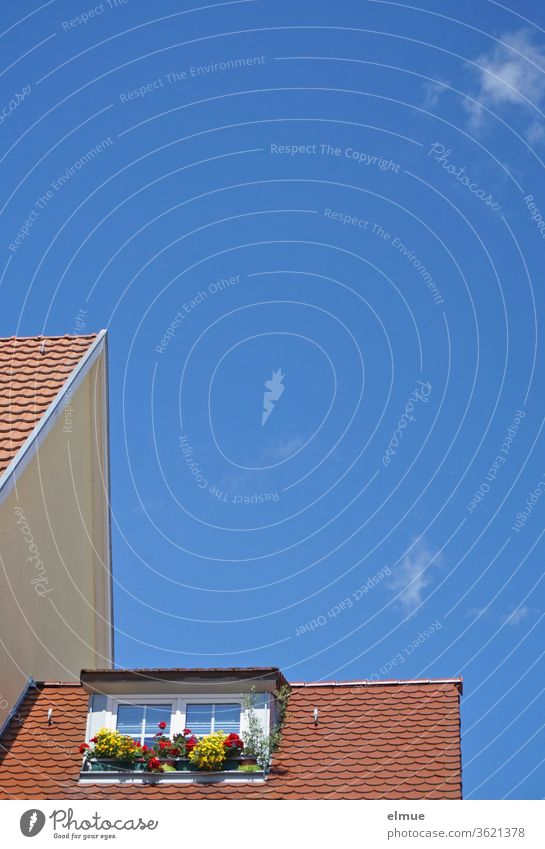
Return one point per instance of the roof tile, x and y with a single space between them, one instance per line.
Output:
400 741
33 370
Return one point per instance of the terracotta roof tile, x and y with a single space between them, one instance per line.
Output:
400 741
32 372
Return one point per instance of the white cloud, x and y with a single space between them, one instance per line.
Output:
433 92
284 448
414 576
511 74
516 616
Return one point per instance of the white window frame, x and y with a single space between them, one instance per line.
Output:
178 709
143 702
206 700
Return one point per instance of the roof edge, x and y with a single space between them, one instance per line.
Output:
459 682
102 680
30 682
33 441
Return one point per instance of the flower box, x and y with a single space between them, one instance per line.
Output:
179 764
248 760
185 765
110 765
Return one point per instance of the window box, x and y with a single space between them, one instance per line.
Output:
179 764
247 760
110 765
185 765
235 776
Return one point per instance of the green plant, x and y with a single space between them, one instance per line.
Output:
249 768
282 695
256 742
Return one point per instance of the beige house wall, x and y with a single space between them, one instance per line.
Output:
55 586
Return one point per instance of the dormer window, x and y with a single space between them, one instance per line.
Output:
139 716
154 710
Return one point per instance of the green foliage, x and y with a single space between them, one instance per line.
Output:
256 742
282 695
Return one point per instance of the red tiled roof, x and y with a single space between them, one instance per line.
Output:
32 372
399 740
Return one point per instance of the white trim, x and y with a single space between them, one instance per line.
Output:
388 683
223 777
102 509
151 702
31 444
203 700
179 703
106 471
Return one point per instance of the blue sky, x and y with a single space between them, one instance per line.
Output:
342 200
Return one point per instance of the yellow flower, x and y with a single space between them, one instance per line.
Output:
209 753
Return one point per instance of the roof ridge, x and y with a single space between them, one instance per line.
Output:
380 682
39 337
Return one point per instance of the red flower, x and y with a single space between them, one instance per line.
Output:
83 747
163 744
93 739
190 744
187 731
162 725
233 742
154 763
144 748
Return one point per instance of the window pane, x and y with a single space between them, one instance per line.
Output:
199 719
154 715
227 718
129 720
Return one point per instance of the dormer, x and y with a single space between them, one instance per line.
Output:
151 705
